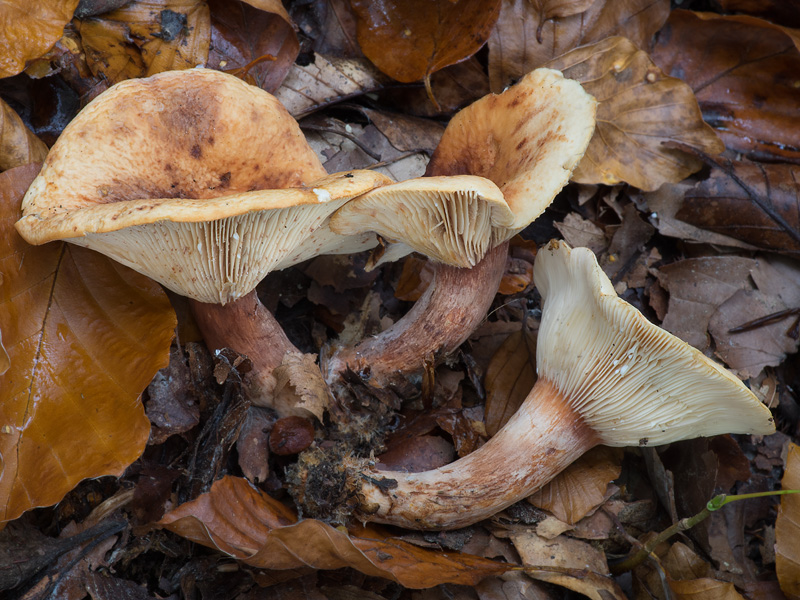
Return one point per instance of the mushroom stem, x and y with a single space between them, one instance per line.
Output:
542 438
444 316
246 326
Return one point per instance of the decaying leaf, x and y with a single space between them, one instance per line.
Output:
299 388
704 589
331 25
409 40
146 37
509 378
787 528
580 232
325 81
697 287
18 145
245 523
85 336
639 109
526 38
567 562
29 30
739 68
242 35
581 487
761 206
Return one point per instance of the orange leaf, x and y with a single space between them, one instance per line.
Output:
245 523
84 336
29 29
18 144
787 528
410 39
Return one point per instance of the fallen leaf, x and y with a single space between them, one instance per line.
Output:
704 589
410 40
300 389
759 206
85 336
787 528
524 39
245 523
331 25
567 562
406 133
681 562
518 275
776 11
18 145
509 378
326 80
739 70
581 487
241 34
417 454
415 278
639 108
147 37
29 30
172 405
5 362
579 232
697 287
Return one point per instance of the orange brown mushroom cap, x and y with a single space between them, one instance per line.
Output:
606 376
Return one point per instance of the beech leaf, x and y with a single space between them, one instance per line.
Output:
146 37
84 336
639 108
247 524
29 30
525 39
18 145
411 39
738 67
509 378
787 528
241 34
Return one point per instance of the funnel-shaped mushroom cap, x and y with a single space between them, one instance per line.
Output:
631 381
176 175
449 219
527 140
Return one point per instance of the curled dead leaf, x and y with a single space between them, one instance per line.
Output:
245 523
787 528
639 108
29 30
528 34
85 336
18 144
300 389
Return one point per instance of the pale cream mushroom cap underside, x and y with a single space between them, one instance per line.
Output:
631 381
177 176
449 219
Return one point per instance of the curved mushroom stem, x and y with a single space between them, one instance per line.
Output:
249 328
447 313
542 438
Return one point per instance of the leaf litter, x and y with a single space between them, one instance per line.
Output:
701 242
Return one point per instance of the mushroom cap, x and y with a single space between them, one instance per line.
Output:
175 176
527 140
631 381
449 219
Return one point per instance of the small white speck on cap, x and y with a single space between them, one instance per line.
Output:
322 195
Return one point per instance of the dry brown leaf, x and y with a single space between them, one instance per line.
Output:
325 81
85 336
681 562
739 70
518 275
777 11
579 232
753 215
567 562
697 287
523 40
245 523
29 30
415 278
241 34
704 589
331 25
639 109
509 378
18 144
300 389
147 37
411 39
787 528
581 487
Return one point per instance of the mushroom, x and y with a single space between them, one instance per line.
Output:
606 375
177 176
527 141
